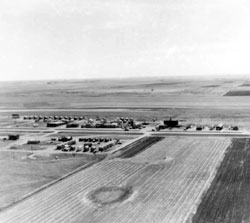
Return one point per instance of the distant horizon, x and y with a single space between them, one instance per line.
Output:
196 77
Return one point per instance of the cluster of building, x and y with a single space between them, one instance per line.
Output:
175 124
92 145
54 121
81 121
119 122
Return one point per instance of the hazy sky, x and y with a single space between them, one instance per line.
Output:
42 39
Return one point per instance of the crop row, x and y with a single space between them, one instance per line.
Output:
60 198
163 192
228 198
167 193
139 146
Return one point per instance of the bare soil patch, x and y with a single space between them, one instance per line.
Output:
138 146
109 195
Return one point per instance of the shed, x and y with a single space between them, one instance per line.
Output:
33 141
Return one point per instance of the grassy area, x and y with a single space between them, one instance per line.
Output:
20 175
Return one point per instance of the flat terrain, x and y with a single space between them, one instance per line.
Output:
161 184
23 172
197 101
228 198
121 93
172 176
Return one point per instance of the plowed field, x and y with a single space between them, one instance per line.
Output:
228 198
162 188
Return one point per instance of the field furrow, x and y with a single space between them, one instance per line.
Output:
228 199
166 183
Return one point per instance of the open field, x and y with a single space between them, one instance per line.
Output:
120 93
228 198
161 184
151 177
24 172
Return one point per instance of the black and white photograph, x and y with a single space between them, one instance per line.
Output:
124 111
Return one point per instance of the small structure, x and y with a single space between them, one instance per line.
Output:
188 126
55 124
13 137
199 127
72 142
65 138
33 141
15 116
234 128
219 127
72 125
110 125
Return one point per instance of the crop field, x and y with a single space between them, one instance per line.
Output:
163 183
238 93
137 147
228 198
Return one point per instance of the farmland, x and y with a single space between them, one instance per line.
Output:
238 93
161 184
138 146
174 175
228 198
200 101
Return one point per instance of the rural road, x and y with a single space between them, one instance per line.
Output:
121 132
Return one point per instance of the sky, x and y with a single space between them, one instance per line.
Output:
65 39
